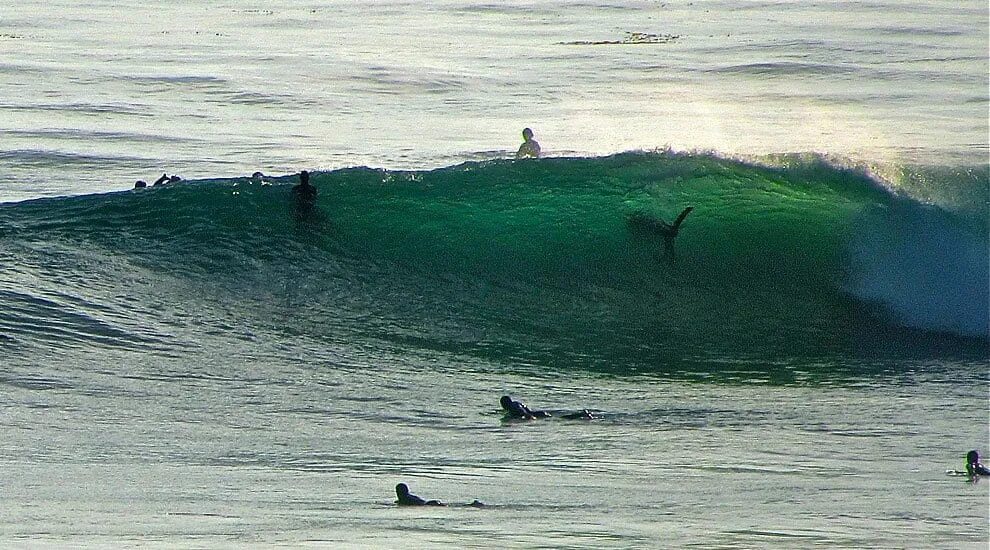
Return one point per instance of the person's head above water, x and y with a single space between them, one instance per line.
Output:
401 490
972 457
527 134
304 177
505 401
140 184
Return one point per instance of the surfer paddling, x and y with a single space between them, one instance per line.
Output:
166 179
405 498
973 467
656 226
515 410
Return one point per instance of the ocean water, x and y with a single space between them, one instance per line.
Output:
205 365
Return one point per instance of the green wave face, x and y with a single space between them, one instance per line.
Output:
537 261
566 221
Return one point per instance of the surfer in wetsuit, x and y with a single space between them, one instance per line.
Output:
530 147
405 498
515 409
973 467
667 231
304 193
165 179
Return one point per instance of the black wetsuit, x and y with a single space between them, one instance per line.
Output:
305 199
413 500
667 231
515 409
405 498
305 192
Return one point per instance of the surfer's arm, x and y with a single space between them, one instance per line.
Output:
680 218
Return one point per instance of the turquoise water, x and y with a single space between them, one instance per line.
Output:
203 365
200 365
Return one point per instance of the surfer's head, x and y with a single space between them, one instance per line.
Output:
972 457
304 177
401 490
140 184
527 134
174 179
505 401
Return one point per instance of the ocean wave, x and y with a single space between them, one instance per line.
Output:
537 258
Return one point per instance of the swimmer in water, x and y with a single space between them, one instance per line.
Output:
667 231
530 147
305 191
405 498
165 179
973 467
515 409
305 196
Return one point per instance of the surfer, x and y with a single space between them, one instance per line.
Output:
973 467
667 231
304 193
516 410
408 499
167 179
405 498
529 148
140 184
